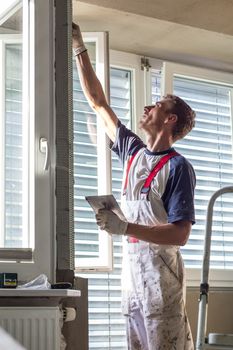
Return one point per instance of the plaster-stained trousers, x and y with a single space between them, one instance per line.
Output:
153 289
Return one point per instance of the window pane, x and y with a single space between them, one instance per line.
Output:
106 323
91 165
121 102
85 169
13 146
156 86
14 225
209 149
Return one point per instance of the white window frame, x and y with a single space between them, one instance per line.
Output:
104 262
217 277
130 62
40 112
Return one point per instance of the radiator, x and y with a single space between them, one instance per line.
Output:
36 328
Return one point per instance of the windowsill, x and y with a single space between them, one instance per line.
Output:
39 293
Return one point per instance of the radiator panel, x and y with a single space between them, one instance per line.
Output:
36 328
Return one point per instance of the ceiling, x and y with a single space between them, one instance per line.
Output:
198 32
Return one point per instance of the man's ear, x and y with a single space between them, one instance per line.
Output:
172 118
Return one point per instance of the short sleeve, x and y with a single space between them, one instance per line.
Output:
126 143
178 197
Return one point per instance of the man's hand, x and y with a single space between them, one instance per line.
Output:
110 222
78 44
91 85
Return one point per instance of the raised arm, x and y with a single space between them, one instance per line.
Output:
91 85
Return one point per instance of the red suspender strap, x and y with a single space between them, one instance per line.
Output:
145 189
130 161
156 169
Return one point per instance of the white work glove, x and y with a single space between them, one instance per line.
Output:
78 44
110 222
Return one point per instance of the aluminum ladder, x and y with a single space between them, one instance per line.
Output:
213 340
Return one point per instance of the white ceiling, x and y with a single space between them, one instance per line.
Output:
198 32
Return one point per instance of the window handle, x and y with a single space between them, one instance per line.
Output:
44 148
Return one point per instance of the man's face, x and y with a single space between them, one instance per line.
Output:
154 116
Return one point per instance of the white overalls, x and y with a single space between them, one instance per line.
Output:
152 277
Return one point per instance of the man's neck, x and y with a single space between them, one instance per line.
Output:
158 143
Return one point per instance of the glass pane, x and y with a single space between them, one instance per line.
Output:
209 148
13 146
156 86
14 230
121 101
85 168
106 323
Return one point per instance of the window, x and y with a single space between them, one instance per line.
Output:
27 107
106 324
12 225
14 198
209 149
91 167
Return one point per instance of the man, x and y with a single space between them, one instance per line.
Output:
158 205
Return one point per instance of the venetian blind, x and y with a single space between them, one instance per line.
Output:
13 172
209 148
106 324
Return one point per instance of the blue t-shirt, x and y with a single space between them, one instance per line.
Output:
174 183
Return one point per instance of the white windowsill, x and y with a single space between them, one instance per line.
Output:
39 293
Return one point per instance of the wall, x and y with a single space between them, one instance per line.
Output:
220 311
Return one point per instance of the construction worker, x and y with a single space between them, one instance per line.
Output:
158 204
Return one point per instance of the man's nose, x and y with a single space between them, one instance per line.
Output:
148 108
